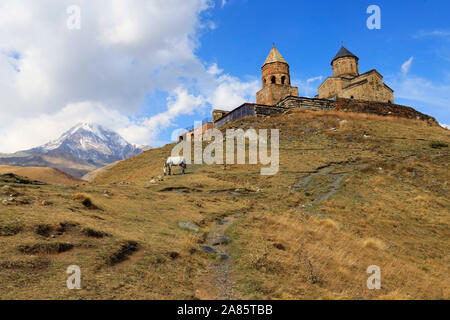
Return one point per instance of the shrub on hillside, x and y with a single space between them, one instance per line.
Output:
438 145
85 201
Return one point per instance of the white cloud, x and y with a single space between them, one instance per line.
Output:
420 93
422 90
319 78
108 60
18 133
52 77
434 33
230 92
407 65
308 87
214 70
224 2
181 102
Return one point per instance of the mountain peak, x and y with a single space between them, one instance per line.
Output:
92 142
83 148
95 128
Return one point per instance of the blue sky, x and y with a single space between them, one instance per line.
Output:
147 68
309 34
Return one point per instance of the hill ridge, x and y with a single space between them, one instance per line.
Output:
353 190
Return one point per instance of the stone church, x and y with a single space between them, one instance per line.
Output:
346 90
346 81
276 80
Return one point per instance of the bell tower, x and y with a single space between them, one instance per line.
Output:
345 64
276 80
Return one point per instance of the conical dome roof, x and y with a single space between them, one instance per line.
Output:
274 56
344 53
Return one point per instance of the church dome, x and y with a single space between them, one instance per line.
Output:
343 52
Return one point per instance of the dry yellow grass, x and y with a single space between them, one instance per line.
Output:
293 240
374 244
329 223
47 175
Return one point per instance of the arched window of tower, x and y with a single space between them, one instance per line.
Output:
273 79
283 80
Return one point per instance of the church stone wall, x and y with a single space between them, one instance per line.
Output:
262 110
382 109
276 80
307 103
331 87
277 70
368 87
359 106
345 66
272 94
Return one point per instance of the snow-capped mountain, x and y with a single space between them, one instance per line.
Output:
82 149
91 142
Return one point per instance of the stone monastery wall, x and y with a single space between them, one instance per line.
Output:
350 105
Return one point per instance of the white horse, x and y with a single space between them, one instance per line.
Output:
174 161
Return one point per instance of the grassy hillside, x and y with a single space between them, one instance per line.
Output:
65 162
44 174
352 191
92 174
